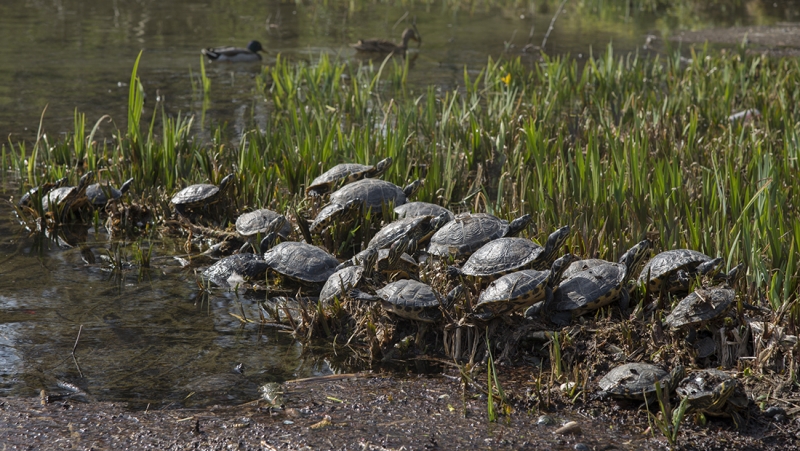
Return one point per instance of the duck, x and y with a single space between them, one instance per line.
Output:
235 54
383 46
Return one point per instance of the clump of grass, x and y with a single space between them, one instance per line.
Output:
669 420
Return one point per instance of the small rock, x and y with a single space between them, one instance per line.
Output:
774 411
779 418
567 386
569 429
546 420
581 447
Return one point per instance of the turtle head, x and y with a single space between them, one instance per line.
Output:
396 251
634 257
518 225
268 241
554 243
276 224
735 274
255 47
382 166
559 266
126 186
85 181
453 295
676 376
438 221
413 187
225 182
410 34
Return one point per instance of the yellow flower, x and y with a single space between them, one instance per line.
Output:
506 79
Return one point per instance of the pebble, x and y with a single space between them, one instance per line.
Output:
567 386
546 420
570 428
580 447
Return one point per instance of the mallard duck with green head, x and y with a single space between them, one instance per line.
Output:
383 46
235 54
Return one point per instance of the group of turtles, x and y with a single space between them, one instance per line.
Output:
60 200
478 254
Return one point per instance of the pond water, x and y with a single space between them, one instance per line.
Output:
151 337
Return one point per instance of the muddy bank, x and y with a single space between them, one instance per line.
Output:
776 40
369 412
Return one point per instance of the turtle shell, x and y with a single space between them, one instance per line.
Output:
340 282
637 380
421 228
301 262
68 197
99 195
709 391
501 256
666 264
467 233
248 266
194 195
410 299
367 194
258 221
513 291
700 306
410 209
592 284
39 192
345 173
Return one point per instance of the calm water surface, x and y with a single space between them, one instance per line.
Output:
151 337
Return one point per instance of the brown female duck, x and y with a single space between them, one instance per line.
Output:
383 46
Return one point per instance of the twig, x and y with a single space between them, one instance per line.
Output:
74 347
553 22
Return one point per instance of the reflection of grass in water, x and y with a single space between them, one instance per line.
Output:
629 146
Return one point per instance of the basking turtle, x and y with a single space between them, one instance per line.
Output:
469 231
596 286
506 255
99 195
520 289
200 195
342 174
301 262
68 198
36 195
714 392
390 262
420 228
260 222
362 195
348 278
673 269
703 304
242 267
411 299
637 381
410 209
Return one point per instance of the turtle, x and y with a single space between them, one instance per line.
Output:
673 268
420 228
260 222
236 268
596 286
520 289
241 267
410 209
389 261
466 233
637 381
68 198
100 195
345 173
301 262
348 278
362 195
200 195
714 392
411 299
35 195
700 306
508 254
